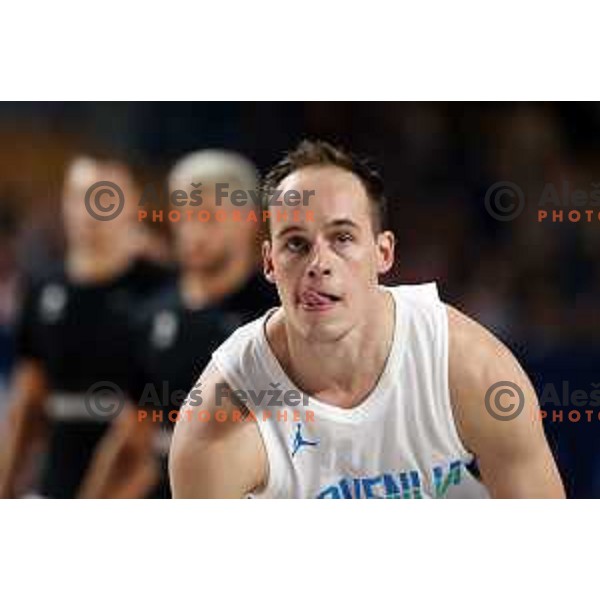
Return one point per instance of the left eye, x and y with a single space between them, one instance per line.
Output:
344 237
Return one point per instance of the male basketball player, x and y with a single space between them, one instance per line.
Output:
396 379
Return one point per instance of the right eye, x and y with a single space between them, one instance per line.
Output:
296 244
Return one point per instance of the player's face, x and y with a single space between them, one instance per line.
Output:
207 238
81 228
327 270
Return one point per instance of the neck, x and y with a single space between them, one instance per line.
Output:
343 372
87 265
199 288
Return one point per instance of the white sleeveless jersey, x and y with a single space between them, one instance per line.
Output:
400 442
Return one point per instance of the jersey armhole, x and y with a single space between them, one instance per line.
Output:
443 346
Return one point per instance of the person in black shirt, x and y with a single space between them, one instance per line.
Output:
72 336
217 290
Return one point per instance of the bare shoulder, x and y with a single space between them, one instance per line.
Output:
486 382
496 412
216 452
476 356
198 415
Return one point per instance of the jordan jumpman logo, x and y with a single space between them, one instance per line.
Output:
299 441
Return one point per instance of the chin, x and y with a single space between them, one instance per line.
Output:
199 263
316 328
326 335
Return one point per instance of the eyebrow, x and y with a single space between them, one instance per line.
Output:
331 224
290 229
342 223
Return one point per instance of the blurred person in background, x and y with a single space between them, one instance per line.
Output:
218 288
8 292
71 336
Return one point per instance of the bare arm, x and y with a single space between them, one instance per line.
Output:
123 465
215 459
513 455
26 422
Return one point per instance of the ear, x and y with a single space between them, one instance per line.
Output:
268 268
386 244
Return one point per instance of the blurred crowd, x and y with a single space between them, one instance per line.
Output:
535 284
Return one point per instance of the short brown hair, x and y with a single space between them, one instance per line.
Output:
323 154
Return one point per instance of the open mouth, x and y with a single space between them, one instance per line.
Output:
316 300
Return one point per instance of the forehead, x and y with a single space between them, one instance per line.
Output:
328 180
338 193
81 173
84 172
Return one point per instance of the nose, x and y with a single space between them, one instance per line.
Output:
319 265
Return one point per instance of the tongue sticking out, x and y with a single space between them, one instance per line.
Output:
312 298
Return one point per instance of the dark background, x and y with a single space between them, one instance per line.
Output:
535 284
